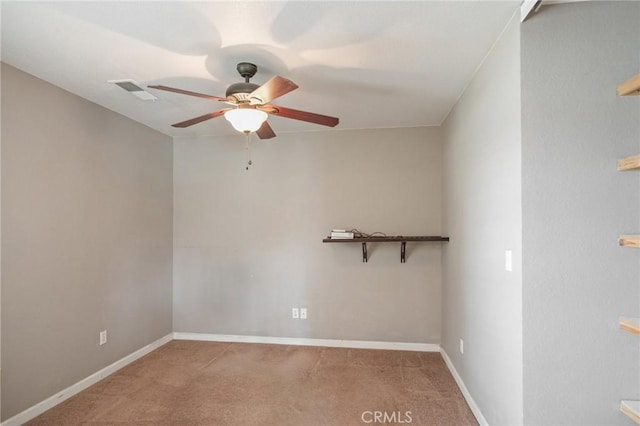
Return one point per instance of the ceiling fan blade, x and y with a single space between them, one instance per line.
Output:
187 92
272 89
310 117
265 131
202 118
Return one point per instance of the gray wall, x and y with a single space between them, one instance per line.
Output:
0 239
86 238
576 280
248 244
482 303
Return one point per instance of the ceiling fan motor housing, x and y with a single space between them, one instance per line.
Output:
240 89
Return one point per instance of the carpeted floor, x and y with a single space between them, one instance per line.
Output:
204 383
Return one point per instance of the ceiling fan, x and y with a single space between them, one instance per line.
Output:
251 104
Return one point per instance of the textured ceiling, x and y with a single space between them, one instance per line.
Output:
372 64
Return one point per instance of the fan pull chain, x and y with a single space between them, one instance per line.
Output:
248 150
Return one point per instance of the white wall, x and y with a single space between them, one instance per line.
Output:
248 244
86 238
482 303
577 364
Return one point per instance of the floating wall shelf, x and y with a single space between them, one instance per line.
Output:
632 325
631 409
629 163
629 241
401 239
630 87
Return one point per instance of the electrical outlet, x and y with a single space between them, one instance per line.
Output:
295 313
303 313
103 337
462 346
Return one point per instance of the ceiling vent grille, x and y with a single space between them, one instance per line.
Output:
132 87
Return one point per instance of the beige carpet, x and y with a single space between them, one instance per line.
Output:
203 383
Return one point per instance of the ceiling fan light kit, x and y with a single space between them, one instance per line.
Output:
246 120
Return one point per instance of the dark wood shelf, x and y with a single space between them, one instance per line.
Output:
398 239
382 239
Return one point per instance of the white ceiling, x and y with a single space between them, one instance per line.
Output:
372 64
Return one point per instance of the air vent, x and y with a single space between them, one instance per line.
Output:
132 87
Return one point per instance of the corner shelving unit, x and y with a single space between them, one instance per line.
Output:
401 239
629 241
632 325
629 163
630 87
631 409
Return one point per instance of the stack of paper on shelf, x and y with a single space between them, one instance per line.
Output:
341 234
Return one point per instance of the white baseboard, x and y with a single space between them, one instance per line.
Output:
41 407
465 392
295 341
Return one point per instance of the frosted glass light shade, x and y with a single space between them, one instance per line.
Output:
246 119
